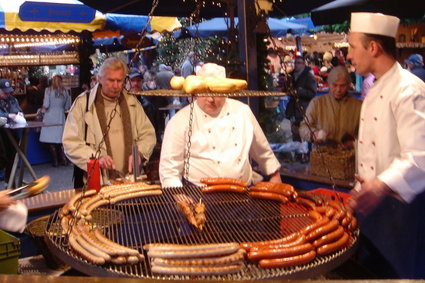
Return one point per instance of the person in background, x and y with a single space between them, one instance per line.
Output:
225 137
57 100
35 94
389 197
415 64
188 66
305 85
87 131
9 109
163 77
333 118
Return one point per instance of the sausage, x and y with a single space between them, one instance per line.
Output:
347 219
199 247
322 230
95 205
83 207
353 224
249 245
79 196
321 209
298 241
91 238
330 212
192 253
128 190
119 260
277 188
305 202
322 221
83 252
329 238
311 196
223 181
315 215
334 246
92 248
106 241
125 196
223 188
269 196
197 271
280 252
288 261
234 258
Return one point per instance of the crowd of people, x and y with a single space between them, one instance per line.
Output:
107 122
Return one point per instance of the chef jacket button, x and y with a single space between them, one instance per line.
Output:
361 142
382 97
218 162
205 116
374 118
362 119
373 143
233 128
239 160
361 164
372 168
228 113
209 131
236 144
213 147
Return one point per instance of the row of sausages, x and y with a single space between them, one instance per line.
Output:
91 243
330 232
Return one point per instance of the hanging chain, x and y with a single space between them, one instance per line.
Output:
143 32
90 171
189 142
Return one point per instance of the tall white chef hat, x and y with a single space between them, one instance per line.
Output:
374 23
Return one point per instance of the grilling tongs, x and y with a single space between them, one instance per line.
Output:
31 189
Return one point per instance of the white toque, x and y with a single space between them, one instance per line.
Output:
374 23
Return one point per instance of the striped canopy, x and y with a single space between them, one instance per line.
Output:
50 15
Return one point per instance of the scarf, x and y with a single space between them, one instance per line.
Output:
126 123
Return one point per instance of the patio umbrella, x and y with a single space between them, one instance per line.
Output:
219 27
50 15
339 11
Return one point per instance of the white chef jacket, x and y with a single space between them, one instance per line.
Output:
220 146
391 143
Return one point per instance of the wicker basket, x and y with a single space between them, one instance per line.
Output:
36 230
341 163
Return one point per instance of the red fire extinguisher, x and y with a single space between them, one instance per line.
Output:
93 174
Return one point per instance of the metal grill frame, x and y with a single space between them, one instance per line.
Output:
261 212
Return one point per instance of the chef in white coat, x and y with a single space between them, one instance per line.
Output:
389 196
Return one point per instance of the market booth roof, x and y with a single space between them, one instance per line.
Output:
126 23
208 8
219 27
50 15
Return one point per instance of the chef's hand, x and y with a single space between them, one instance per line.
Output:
320 136
5 200
106 162
275 177
369 196
130 162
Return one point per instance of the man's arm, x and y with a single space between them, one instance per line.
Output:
73 135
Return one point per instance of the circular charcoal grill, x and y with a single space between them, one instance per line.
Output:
230 217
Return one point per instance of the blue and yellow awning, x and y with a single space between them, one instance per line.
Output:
50 15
